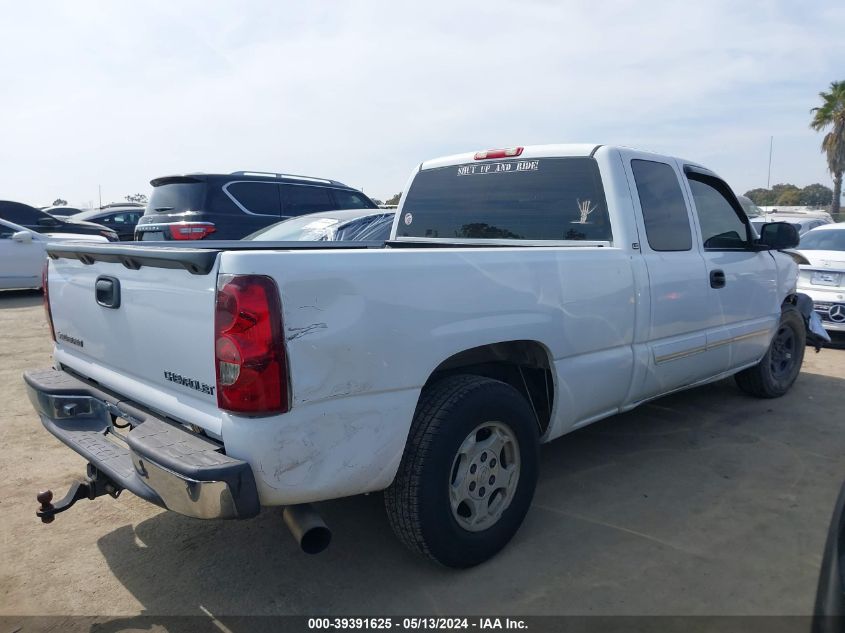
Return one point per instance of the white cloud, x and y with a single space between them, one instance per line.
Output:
116 94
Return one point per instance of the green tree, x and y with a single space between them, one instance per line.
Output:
137 197
58 202
394 199
781 188
790 198
761 197
831 114
816 195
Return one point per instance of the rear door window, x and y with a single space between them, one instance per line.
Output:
665 214
302 199
261 198
519 199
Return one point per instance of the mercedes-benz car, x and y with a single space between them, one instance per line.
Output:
823 277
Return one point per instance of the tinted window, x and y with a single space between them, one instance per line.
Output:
823 240
301 199
21 213
351 200
664 211
530 199
256 197
176 197
721 226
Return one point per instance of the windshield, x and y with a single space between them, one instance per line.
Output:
523 199
297 229
825 240
176 197
315 229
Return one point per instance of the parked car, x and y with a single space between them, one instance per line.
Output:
801 223
829 610
120 218
344 225
524 293
231 206
62 212
22 254
823 277
42 222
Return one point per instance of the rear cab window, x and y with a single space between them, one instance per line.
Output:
665 216
539 199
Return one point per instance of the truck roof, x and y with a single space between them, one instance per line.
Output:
556 150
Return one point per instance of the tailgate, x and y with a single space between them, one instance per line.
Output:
155 344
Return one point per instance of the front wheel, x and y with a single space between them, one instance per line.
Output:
468 473
773 376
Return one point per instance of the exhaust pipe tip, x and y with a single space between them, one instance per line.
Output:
307 527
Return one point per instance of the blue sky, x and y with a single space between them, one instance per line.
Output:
117 93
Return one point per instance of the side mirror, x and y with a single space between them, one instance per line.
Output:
779 235
24 237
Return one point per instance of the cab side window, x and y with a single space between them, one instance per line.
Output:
664 210
721 225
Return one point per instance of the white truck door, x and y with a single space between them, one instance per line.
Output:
742 281
681 310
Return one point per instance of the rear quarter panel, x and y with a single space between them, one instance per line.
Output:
365 329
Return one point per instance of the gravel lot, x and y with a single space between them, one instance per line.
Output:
706 502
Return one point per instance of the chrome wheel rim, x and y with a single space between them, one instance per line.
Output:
484 476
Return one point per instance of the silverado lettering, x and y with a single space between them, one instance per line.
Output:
189 382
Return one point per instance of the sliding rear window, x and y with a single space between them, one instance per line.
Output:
520 199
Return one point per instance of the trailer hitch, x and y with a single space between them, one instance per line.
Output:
95 485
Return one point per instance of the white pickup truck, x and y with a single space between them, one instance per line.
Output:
524 293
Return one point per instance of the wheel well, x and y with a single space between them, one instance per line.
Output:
525 365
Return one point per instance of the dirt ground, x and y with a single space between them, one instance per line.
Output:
705 502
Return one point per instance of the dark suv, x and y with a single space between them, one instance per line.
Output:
42 222
231 206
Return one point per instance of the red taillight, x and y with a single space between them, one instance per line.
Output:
509 152
46 290
191 230
249 349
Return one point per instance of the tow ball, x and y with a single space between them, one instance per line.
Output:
94 485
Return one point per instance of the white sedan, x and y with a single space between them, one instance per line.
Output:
823 279
22 254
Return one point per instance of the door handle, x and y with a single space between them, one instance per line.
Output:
717 278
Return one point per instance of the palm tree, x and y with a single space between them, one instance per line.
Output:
832 114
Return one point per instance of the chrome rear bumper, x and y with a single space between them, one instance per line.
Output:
157 460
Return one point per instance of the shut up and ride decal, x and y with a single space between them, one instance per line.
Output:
509 167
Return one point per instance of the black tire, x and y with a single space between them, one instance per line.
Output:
418 502
773 376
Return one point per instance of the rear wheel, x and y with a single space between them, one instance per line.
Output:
774 374
468 473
